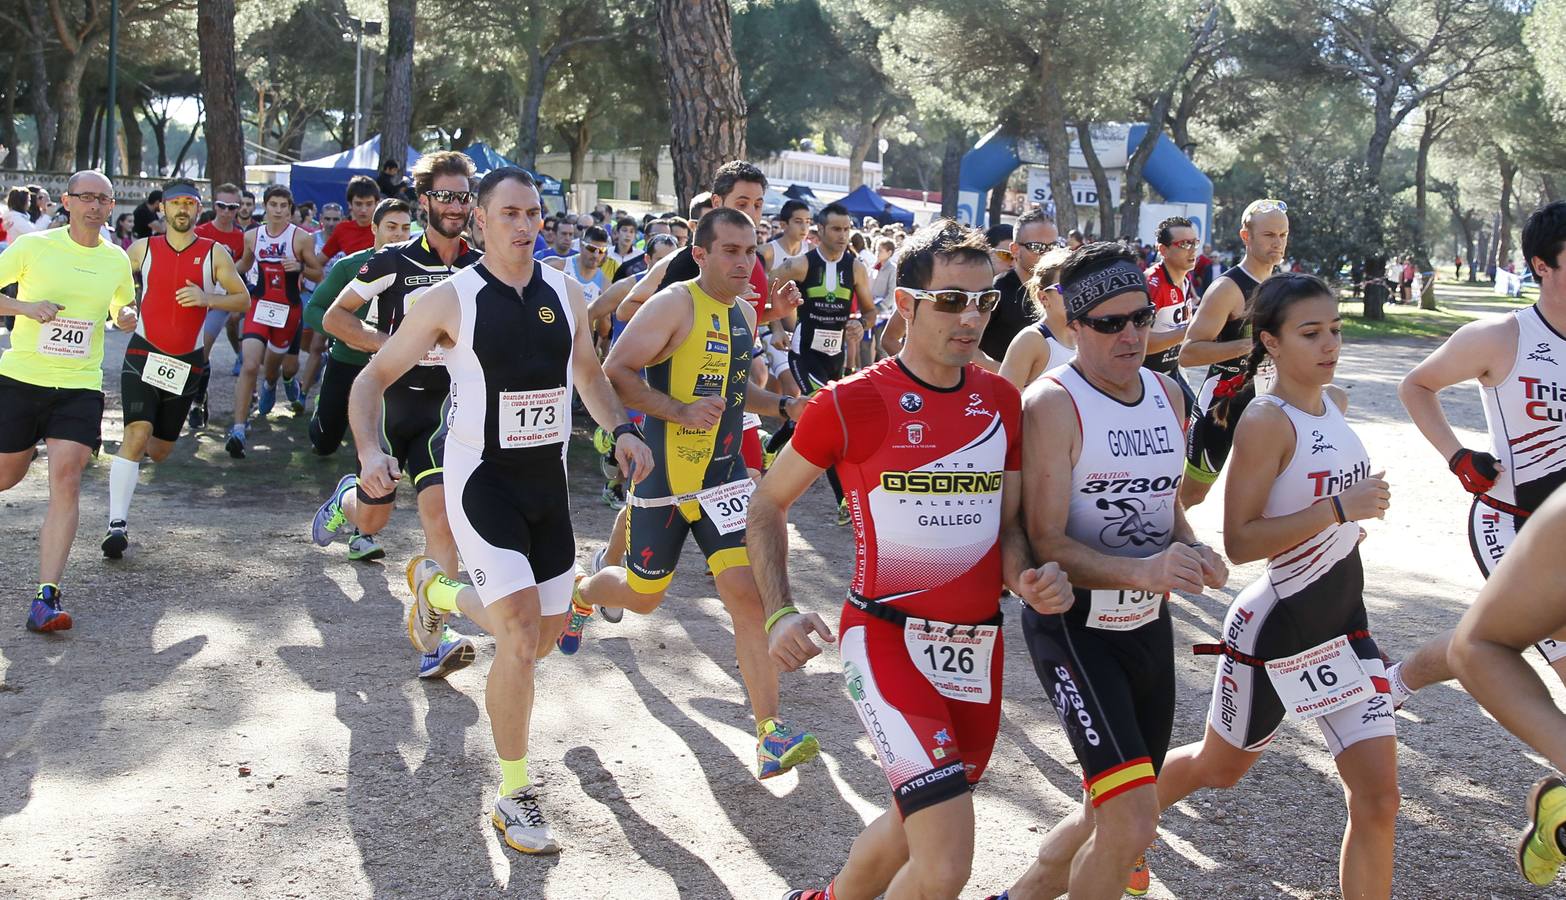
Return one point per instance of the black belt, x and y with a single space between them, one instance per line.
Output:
1224 649
900 619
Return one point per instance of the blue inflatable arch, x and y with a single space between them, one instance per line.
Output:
986 167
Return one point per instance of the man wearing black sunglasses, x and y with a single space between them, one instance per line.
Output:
1169 286
1035 234
928 447
1103 455
413 409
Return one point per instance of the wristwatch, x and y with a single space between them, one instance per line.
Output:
628 428
783 409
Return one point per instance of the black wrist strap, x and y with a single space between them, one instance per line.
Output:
783 409
627 428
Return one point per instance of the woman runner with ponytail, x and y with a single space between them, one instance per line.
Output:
1300 482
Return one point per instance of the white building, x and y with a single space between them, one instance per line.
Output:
617 173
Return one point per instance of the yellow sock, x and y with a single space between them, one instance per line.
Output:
513 775
442 593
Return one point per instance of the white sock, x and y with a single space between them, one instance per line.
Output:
122 484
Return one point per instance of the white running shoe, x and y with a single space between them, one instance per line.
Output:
522 824
610 613
425 622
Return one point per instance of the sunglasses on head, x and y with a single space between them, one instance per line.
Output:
462 197
1142 318
951 300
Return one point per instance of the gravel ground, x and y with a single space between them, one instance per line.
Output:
236 714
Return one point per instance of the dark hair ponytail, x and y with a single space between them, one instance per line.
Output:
1269 307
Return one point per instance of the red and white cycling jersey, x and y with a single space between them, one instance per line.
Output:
921 468
1176 304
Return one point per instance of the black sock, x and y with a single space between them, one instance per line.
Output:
837 486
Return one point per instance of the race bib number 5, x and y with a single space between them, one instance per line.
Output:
727 504
954 659
1320 680
271 314
70 338
166 373
532 418
1123 610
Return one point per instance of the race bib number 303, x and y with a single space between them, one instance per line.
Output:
69 338
1323 679
532 418
954 659
727 504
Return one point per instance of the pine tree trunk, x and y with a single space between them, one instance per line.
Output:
1106 199
397 102
8 116
68 104
647 189
44 116
220 91
1503 233
1057 143
706 107
951 168
130 132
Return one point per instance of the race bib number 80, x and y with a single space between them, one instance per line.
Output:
828 342
532 418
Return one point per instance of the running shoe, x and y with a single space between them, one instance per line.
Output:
806 894
570 640
330 518
363 547
455 652
198 413
1141 878
767 456
115 542
294 395
238 361
236 442
425 622
522 824
842 511
780 748
266 398
46 614
610 614
603 442
614 495
1539 853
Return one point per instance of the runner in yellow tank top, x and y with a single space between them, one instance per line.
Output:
693 341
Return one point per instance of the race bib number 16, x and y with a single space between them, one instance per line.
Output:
1320 680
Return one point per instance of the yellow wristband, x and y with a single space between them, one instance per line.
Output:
773 619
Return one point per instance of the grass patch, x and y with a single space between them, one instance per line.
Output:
1458 302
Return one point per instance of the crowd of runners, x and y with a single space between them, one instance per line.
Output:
995 414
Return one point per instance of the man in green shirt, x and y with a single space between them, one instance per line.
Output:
392 221
69 282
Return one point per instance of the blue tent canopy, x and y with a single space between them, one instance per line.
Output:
865 202
486 159
365 156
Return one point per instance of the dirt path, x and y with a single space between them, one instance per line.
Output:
226 643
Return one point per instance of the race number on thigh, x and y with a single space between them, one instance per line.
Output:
1323 679
70 338
727 504
1123 610
532 418
166 373
271 314
955 659
828 342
